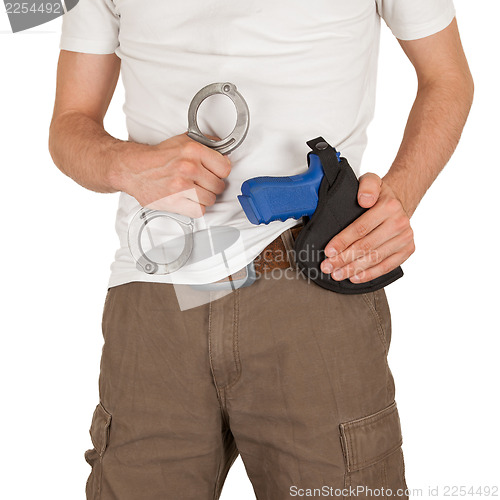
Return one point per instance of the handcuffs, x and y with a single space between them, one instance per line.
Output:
139 223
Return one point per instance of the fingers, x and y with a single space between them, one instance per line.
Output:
402 245
216 163
390 209
369 189
209 181
209 158
362 226
200 196
372 241
384 267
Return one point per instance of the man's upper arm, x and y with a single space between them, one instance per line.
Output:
86 83
428 33
439 56
88 67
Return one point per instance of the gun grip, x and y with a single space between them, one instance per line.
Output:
266 199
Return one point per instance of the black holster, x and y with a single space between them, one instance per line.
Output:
337 208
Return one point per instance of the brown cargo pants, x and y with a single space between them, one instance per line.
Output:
292 377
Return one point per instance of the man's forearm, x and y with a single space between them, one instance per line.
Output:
382 238
432 133
84 151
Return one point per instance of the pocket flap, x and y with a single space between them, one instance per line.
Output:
369 439
99 428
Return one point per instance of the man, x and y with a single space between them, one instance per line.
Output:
289 375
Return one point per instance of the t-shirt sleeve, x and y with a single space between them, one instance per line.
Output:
412 19
92 26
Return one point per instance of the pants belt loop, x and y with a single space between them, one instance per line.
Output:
288 242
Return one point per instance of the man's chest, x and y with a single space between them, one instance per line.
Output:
230 26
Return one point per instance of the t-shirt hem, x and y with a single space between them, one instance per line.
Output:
87 46
416 32
118 278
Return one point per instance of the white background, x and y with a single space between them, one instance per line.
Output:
57 241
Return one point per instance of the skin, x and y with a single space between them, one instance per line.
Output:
184 176
382 238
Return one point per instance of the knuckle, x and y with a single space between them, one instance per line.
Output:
191 148
364 246
374 257
340 260
340 243
409 234
361 228
393 206
174 184
402 222
179 184
186 168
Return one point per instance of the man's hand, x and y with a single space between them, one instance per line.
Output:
377 242
178 175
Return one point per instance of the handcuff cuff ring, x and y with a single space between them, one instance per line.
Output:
239 132
139 224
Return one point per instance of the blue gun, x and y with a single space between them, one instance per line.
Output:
266 199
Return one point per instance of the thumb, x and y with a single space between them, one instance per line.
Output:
369 189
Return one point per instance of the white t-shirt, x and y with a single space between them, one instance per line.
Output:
305 69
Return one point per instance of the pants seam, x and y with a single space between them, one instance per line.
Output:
217 487
236 352
210 357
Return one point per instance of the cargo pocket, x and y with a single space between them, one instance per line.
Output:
99 433
373 455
